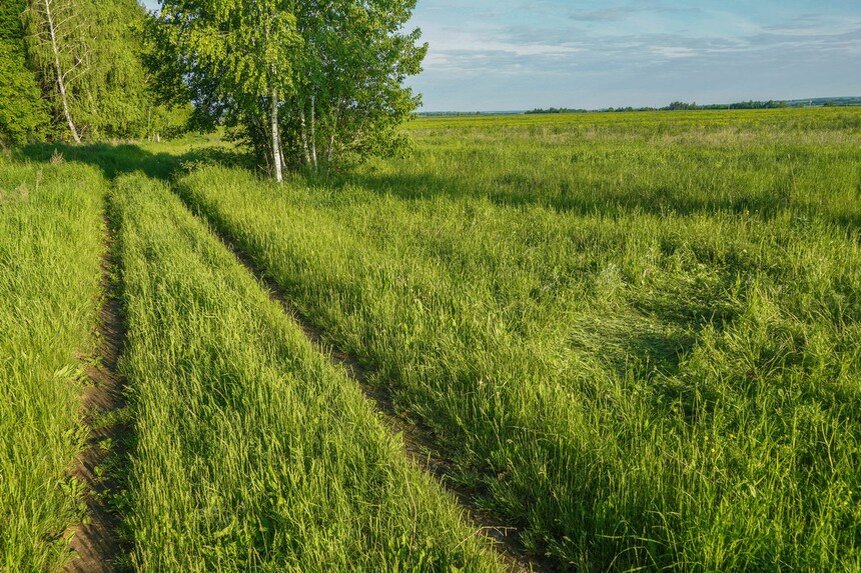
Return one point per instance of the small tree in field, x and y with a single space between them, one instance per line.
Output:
233 58
349 97
307 82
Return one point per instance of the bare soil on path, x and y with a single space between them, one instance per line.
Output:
97 545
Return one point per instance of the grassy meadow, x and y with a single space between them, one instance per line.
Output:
254 453
635 338
637 335
51 240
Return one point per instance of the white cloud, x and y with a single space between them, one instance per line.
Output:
672 52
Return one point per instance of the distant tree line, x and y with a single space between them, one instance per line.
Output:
677 106
460 113
550 110
770 104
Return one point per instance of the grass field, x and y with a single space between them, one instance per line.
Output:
254 453
51 239
637 335
632 337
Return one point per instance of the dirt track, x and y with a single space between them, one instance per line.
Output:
96 543
418 442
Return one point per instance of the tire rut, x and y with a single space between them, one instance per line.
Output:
97 545
418 441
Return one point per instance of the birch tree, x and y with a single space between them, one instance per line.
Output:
350 98
112 99
316 82
234 59
88 56
57 45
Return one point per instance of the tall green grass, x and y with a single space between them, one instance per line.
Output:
254 452
51 239
659 370
761 162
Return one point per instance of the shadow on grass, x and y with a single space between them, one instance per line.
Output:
117 160
509 190
516 190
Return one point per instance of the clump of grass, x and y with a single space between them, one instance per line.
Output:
253 451
657 370
51 238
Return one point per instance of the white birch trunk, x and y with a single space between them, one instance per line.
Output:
330 154
304 130
58 69
276 137
314 132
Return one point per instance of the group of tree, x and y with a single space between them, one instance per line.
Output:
684 106
675 106
553 110
305 83
72 70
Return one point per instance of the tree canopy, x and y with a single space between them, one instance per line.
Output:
350 96
315 84
73 69
87 54
306 83
22 112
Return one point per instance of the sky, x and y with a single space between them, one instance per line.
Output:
499 55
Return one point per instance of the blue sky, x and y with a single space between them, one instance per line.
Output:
520 54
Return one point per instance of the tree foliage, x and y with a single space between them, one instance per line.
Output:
60 52
310 83
88 57
22 113
112 97
329 73
233 58
350 96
